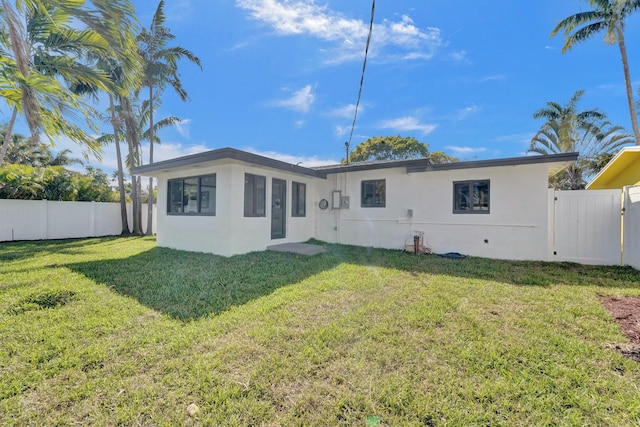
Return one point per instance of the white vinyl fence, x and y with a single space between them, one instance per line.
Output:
632 227
45 220
587 226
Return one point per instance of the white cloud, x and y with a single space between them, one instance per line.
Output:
109 163
493 78
179 11
166 151
342 130
408 124
460 57
346 36
466 150
347 111
467 111
184 128
301 100
301 160
521 138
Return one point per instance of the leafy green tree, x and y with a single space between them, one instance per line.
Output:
54 183
388 148
566 130
94 186
440 157
34 172
160 64
608 16
34 153
395 148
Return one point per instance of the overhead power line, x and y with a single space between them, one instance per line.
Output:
364 67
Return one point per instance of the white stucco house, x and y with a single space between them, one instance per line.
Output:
228 202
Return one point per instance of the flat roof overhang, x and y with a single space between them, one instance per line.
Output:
208 157
622 170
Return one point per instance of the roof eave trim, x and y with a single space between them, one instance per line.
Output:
364 166
226 153
510 161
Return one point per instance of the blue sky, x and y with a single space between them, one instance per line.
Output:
281 77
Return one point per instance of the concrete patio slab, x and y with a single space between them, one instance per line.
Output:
297 248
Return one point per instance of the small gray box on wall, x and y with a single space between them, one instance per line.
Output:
344 202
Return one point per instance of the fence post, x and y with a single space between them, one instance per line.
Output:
92 220
45 219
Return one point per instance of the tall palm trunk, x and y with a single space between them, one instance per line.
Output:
7 135
150 198
123 198
133 142
627 81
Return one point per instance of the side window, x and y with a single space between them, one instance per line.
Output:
192 196
298 199
373 194
254 195
471 197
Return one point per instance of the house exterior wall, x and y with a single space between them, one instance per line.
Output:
515 228
229 232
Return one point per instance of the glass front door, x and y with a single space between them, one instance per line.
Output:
278 209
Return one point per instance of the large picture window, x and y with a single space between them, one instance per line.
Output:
471 197
298 199
373 194
254 195
192 196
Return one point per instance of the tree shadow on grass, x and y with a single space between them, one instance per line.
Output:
188 285
12 251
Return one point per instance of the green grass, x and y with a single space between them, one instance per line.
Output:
115 331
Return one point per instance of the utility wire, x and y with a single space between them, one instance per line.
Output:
364 66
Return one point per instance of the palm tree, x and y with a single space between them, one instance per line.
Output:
569 130
132 136
607 16
160 68
116 23
142 113
44 56
117 124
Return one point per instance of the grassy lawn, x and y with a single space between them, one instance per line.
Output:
115 331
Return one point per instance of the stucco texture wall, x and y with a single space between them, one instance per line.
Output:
515 228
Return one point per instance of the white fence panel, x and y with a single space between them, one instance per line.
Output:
588 226
632 226
22 219
43 219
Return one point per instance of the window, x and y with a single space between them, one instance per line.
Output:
254 195
471 197
373 194
298 199
192 196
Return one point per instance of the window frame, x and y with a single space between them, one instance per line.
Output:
470 185
255 212
198 211
298 204
375 183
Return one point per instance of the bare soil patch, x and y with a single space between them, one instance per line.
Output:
626 311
